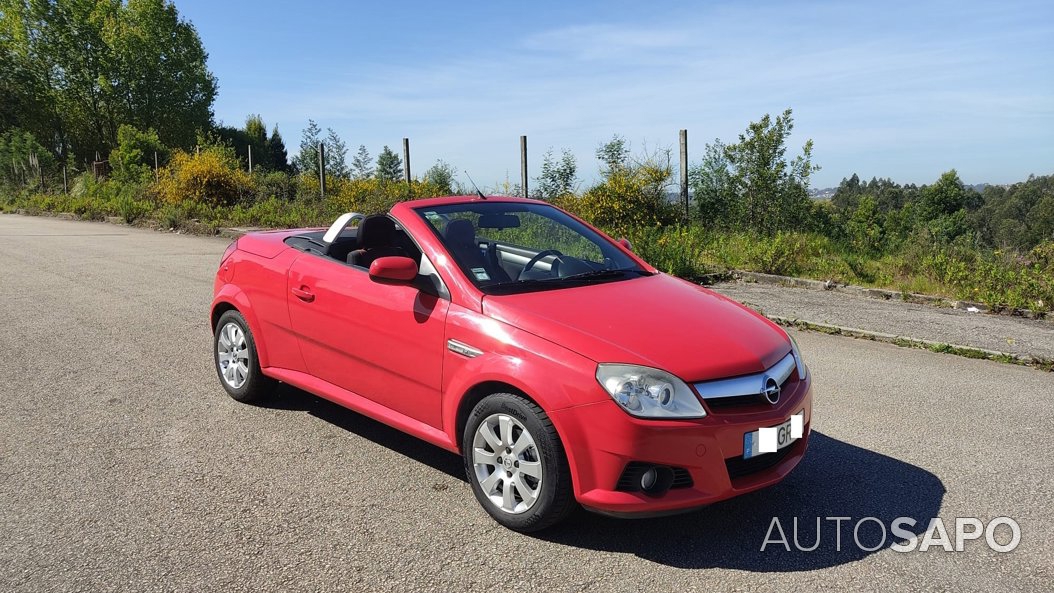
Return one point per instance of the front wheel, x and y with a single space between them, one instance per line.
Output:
516 464
237 365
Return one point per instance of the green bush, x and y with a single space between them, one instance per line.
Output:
133 159
628 199
676 250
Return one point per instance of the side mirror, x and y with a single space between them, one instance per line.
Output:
393 270
625 243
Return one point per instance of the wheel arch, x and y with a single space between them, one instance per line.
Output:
478 393
218 310
231 299
480 390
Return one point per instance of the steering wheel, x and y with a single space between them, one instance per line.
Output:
539 256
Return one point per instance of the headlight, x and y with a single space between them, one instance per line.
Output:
799 362
649 393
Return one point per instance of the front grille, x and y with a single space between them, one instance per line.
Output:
721 403
739 467
748 391
629 481
681 478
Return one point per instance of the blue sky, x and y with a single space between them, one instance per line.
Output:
888 89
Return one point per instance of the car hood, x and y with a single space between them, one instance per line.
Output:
657 321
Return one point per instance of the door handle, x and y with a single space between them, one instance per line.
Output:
304 294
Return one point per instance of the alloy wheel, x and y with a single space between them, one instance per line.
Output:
232 355
507 464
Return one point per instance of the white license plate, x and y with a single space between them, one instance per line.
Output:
784 438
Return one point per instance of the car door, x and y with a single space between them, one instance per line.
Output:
383 342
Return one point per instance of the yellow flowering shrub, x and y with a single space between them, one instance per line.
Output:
212 176
628 198
371 196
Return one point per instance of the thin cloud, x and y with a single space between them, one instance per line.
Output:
857 89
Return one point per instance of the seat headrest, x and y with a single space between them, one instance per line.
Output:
460 233
376 231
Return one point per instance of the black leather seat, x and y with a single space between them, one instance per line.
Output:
460 238
377 238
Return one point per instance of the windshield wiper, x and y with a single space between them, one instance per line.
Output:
600 274
565 280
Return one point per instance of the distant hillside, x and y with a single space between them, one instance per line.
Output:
822 194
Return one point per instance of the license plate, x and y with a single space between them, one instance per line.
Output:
784 438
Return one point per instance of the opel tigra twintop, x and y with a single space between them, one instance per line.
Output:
562 367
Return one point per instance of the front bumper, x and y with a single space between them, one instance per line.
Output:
602 440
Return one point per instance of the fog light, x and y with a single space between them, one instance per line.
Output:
648 479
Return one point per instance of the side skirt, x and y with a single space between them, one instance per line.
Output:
362 405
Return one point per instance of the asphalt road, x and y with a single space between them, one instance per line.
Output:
124 466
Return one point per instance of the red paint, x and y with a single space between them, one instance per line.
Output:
380 348
393 269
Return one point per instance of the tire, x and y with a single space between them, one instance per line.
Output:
504 483
234 356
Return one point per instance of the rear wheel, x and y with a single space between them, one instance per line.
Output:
236 362
516 464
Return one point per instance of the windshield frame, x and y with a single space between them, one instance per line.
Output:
625 268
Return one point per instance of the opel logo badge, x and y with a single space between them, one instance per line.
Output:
771 391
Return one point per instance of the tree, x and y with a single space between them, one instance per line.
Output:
558 178
945 197
279 158
714 190
336 153
847 196
442 174
362 164
863 228
256 134
133 159
389 166
613 155
25 102
943 208
95 64
774 190
306 160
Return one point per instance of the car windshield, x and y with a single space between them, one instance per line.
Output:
509 247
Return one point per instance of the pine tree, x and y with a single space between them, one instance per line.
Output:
442 174
307 160
362 164
336 153
389 166
279 156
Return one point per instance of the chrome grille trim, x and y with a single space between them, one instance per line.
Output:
747 384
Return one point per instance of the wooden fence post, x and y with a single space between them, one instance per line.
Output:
406 165
684 172
322 168
523 165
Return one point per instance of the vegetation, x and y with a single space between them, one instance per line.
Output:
76 70
127 81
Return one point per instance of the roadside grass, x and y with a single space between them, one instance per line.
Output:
998 280
690 251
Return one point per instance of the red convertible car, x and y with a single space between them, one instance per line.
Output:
562 367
